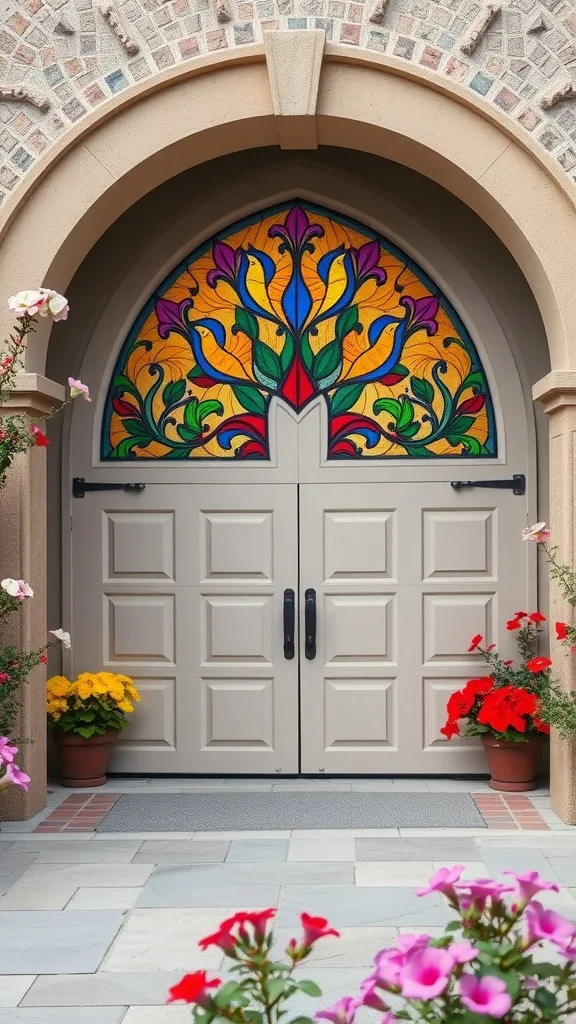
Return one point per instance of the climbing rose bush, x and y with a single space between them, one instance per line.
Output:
487 966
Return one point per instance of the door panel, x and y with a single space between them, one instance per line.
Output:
405 574
181 587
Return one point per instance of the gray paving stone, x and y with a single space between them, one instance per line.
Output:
563 868
361 905
43 942
334 984
417 849
75 852
12 867
356 947
182 852
63 1015
255 851
236 884
146 988
499 859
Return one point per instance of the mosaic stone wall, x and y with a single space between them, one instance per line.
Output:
72 55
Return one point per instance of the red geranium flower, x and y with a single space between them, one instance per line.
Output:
513 624
561 631
540 725
41 439
192 989
459 704
43 659
537 617
475 642
450 729
316 928
520 615
538 664
507 708
475 686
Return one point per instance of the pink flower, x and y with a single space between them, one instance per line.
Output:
315 928
538 533
388 963
17 588
388 1018
6 751
14 776
462 952
78 388
342 1012
480 890
3 677
547 924
28 302
487 995
529 884
370 997
443 881
425 973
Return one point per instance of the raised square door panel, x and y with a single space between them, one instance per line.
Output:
358 544
238 713
358 628
450 620
359 713
459 543
138 545
153 721
237 628
436 693
139 627
237 545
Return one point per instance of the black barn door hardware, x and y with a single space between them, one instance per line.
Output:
289 623
310 624
80 486
517 484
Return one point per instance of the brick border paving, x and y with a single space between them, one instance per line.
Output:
82 812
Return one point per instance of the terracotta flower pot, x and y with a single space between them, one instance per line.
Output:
83 762
513 766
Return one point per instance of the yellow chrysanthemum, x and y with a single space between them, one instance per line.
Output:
84 690
126 706
58 686
56 705
100 685
117 692
132 692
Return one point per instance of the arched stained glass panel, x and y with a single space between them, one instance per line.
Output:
298 302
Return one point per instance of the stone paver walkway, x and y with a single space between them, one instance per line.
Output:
99 925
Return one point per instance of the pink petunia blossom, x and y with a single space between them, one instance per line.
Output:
538 533
78 388
342 1012
369 996
315 928
462 952
443 881
14 776
487 995
528 884
7 752
480 890
388 963
547 924
17 588
425 974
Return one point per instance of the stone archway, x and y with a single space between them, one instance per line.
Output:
264 96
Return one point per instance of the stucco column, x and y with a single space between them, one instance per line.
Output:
557 392
23 556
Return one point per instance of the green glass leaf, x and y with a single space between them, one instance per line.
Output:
310 988
346 322
410 430
406 414
327 360
196 371
137 429
473 380
191 417
123 383
422 389
389 405
454 341
207 408
250 398
461 424
267 361
399 371
472 445
345 397
174 392
287 353
186 433
247 322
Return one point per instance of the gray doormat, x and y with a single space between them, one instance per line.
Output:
231 812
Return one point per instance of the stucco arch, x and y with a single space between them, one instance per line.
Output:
361 101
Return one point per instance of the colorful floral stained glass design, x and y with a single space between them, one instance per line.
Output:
298 302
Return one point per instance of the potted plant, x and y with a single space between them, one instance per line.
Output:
486 966
85 718
512 708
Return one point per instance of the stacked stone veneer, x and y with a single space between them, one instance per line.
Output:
73 55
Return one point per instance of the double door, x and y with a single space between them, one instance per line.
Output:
277 628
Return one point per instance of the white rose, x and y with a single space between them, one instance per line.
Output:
17 588
30 301
56 305
62 636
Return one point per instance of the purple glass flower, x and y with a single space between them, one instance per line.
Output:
172 317
421 313
226 263
296 230
366 262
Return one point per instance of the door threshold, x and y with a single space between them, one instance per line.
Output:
481 777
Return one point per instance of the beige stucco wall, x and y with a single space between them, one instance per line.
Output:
352 180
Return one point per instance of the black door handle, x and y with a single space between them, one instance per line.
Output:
517 484
310 623
289 621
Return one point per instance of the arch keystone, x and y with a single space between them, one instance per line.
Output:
294 60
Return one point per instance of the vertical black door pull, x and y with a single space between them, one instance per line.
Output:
310 624
289 622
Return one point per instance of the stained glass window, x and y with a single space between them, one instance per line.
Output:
298 302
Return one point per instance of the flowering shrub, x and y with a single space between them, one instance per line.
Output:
10 773
93 704
513 701
566 577
17 435
482 968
